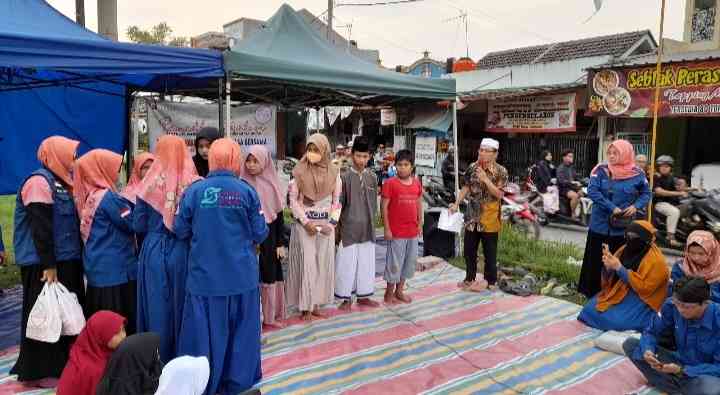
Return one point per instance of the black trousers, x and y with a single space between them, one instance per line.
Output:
591 271
489 245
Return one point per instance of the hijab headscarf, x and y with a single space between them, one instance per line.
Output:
57 154
638 241
184 376
170 174
316 181
210 134
266 184
709 270
625 167
90 354
133 187
95 173
649 280
134 368
225 155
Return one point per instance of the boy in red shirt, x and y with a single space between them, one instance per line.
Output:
403 215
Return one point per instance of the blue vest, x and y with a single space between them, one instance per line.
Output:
66 225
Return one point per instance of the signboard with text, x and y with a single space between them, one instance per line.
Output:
686 89
532 114
249 125
425 151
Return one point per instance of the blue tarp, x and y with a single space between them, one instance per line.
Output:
56 77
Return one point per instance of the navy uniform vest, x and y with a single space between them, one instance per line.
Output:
66 225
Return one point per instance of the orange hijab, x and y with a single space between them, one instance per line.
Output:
224 155
170 174
57 154
95 173
133 187
649 282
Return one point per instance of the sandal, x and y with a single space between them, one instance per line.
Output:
478 286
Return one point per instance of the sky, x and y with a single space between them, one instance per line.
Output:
402 32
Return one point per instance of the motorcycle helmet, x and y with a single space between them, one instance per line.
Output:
664 160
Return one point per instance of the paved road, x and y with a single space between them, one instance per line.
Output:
579 238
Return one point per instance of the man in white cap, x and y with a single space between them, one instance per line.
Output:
483 183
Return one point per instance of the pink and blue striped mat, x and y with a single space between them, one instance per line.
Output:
445 342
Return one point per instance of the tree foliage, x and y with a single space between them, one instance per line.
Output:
160 34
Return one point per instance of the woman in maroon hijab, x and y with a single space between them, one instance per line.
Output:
103 333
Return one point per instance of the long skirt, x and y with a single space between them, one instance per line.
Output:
311 269
119 299
39 360
226 330
631 314
160 284
589 284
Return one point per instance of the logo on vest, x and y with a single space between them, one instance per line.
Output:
214 197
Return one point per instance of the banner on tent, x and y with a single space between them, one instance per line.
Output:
249 125
425 151
388 116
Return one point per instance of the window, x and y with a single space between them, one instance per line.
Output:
703 21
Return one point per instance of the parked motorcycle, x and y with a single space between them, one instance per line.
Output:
562 215
701 211
435 194
516 211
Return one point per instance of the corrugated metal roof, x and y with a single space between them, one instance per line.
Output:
615 45
669 58
496 94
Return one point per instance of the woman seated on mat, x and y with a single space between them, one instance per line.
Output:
634 283
702 259
134 368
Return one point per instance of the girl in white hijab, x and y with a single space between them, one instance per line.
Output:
184 376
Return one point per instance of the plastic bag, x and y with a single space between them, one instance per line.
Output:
71 313
450 223
44 323
551 200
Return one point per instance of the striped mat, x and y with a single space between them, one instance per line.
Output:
445 342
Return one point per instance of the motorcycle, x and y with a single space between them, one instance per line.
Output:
701 211
516 211
435 193
562 215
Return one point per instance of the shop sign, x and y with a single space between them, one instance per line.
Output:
532 114
686 89
249 125
425 151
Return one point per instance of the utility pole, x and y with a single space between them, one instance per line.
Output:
80 12
107 18
330 19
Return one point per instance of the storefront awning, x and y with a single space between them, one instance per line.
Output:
437 120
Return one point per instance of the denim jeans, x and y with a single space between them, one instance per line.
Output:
670 383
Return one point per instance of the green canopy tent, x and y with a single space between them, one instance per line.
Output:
287 63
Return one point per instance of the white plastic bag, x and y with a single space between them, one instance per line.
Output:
71 313
44 323
551 200
450 223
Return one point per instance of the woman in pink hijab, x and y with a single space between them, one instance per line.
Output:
258 170
109 258
140 168
619 190
702 259
162 264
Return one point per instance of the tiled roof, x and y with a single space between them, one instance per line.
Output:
616 45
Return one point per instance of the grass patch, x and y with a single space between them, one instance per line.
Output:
545 259
10 273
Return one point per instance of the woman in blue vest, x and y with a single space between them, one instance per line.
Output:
222 217
47 249
162 266
109 258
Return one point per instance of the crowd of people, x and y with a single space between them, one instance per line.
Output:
179 271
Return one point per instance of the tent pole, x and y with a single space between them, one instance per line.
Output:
656 107
221 119
457 151
228 98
